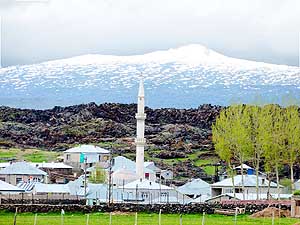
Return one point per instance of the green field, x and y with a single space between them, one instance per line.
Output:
129 219
31 155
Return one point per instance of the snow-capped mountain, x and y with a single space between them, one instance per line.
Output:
183 77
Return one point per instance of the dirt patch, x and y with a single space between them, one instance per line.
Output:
119 213
268 212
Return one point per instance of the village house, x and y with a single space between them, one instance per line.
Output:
6 188
144 191
58 173
89 155
226 186
196 188
124 171
22 172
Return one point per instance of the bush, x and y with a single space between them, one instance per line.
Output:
297 192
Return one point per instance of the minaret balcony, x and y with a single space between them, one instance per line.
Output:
140 141
140 116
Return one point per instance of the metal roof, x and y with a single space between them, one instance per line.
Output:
121 162
146 184
6 187
87 149
51 188
249 181
195 187
52 165
22 168
27 186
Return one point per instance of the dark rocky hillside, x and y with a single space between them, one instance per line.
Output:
177 138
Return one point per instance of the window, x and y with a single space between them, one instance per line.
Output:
68 157
147 175
2 178
145 195
163 194
18 180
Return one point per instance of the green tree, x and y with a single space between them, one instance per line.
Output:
292 138
223 143
98 175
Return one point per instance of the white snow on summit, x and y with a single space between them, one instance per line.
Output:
183 70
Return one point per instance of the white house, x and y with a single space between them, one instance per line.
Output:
22 172
196 188
144 191
226 186
124 171
89 154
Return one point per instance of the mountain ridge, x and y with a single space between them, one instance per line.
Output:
182 77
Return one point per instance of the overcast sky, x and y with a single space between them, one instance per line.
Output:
251 29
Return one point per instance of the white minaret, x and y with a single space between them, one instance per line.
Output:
140 141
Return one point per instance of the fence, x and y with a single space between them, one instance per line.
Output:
134 218
30 198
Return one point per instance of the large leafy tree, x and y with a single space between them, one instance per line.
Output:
223 142
292 138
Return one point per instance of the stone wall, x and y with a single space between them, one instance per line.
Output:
185 209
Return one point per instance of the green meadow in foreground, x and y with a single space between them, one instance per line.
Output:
129 219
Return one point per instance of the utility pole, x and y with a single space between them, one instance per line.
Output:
85 184
110 178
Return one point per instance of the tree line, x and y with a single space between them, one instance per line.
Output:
264 135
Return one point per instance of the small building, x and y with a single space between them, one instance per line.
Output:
144 191
121 163
247 170
89 154
59 173
196 188
248 197
51 189
6 188
226 186
295 206
22 172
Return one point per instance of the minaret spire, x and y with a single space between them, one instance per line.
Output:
140 140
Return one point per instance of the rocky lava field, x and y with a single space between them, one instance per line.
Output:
178 139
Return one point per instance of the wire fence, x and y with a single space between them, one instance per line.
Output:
136 219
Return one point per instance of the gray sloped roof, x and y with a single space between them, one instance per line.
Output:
121 162
22 168
87 149
249 181
51 188
6 187
195 187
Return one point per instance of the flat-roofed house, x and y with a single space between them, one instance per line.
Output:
89 154
22 172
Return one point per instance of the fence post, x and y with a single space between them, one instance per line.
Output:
35 219
203 218
159 217
110 218
273 218
87 219
62 217
235 215
180 219
15 216
136 219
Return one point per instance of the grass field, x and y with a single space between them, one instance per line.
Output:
129 219
32 155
